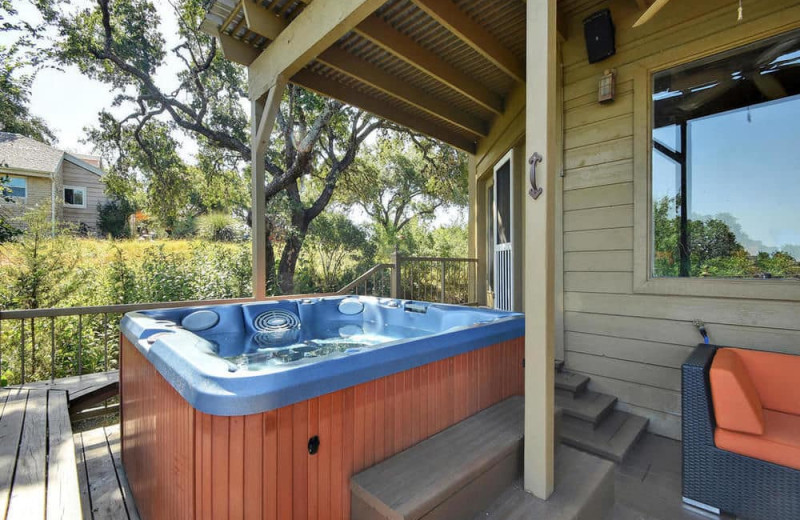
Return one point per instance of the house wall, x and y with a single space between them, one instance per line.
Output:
74 175
39 192
508 133
629 342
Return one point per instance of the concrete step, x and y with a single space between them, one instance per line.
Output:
571 382
589 406
611 439
584 490
452 475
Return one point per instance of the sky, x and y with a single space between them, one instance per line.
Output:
743 162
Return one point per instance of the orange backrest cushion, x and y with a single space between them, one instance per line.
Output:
737 406
776 378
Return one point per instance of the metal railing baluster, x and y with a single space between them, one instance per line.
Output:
80 344
52 348
105 341
22 353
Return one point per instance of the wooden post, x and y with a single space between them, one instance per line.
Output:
540 136
396 280
263 119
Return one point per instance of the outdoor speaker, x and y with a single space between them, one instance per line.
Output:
599 32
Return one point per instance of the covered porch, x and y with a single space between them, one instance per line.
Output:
561 209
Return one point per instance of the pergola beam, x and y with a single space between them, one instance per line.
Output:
262 21
314 30
450 16
372 75
332 88
236 50
404 47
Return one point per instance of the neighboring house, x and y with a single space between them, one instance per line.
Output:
70 185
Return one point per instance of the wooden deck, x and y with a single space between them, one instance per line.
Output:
46 470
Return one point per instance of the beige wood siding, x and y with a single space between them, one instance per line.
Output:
74 175
39 193
631 344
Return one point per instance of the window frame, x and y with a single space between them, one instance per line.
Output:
25 180
75 188
643 280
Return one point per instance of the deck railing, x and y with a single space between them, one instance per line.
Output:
42 344
47 344
428 278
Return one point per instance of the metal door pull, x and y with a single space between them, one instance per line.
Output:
535 191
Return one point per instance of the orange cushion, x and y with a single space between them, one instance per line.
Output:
776 378
780 443
736 403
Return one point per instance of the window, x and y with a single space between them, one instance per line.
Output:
17 187
725 179
75 196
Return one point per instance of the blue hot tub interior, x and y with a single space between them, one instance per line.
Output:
246 358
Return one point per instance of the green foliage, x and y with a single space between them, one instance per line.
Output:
336 252
15 83
218 227
106 272
43 260
113 218
714 250
403 180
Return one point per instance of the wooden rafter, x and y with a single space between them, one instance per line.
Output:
332 88
404 47
339 59
237 50
307 36
262 21
450 16
650 12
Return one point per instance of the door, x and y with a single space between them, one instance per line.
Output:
503 212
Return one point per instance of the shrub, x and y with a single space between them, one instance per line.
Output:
217 227
113 218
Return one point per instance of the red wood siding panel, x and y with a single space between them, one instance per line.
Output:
185 464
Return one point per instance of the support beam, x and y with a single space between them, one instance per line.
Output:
262 21
450 16
404 47
332 88
541 125
263 117
237 50
364 71
650 12
314 30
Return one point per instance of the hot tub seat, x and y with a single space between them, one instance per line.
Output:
751 475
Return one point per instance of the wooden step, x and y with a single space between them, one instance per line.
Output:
584 489
589 406
452 475
571 382
611 439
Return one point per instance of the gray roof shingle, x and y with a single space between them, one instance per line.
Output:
23 153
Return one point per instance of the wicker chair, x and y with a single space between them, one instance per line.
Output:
736 484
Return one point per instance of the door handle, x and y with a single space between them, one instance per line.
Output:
535 159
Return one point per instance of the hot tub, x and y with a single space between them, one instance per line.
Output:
265 410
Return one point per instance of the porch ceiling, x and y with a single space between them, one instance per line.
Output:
441 67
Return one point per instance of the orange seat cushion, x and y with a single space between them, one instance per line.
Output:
780 443
737 406
776 378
